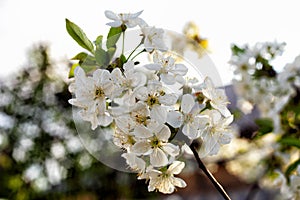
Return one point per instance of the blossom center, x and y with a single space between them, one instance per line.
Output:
141 119
99 92
188 118
155 143
200 97
152 100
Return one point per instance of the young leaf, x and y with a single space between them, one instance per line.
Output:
98 41
291 168
110 53
88 65
79 36
289 141
113 36
237 50
80 56
71 72
265 125
101 57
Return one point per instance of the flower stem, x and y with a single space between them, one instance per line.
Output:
123 42
134 50
144 50
201 165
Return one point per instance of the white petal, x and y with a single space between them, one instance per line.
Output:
111 15
178 182
141 148
142 132
171 149
163 133
175 119
141 22
105 76
154 86
104 120
159 113
153 66
210 146
222 108
176 167
124 123
138 79
190 130
168 99
168 79
128 68
158 158
115 23
141 93
180 69
101 105
180 79
135 15
134 162
187 103
117 76
203 121
225 137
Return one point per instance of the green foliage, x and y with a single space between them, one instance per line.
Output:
79 36
289 141
101 58
265 125
291 168
236 50
113 36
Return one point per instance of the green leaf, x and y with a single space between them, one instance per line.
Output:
289 141
80 56
110 53
71 72
123 59
79 36
98 41
101 57
291 168
85 59
87 68
237 50
113 36
265 125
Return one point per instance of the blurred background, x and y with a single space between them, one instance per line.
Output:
41 155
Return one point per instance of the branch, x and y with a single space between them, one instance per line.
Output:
217 185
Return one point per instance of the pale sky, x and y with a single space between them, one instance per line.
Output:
26 22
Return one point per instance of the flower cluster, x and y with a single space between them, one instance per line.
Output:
276 94
136 100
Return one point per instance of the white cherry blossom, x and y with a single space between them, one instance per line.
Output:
126 81
128 117
156 98
165 181
135 163
154 142
91 94
216 97
153 39
216 133
169 71
189 117
128 19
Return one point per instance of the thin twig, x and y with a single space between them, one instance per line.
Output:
217 185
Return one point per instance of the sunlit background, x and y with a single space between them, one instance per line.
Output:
23 23
41 155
